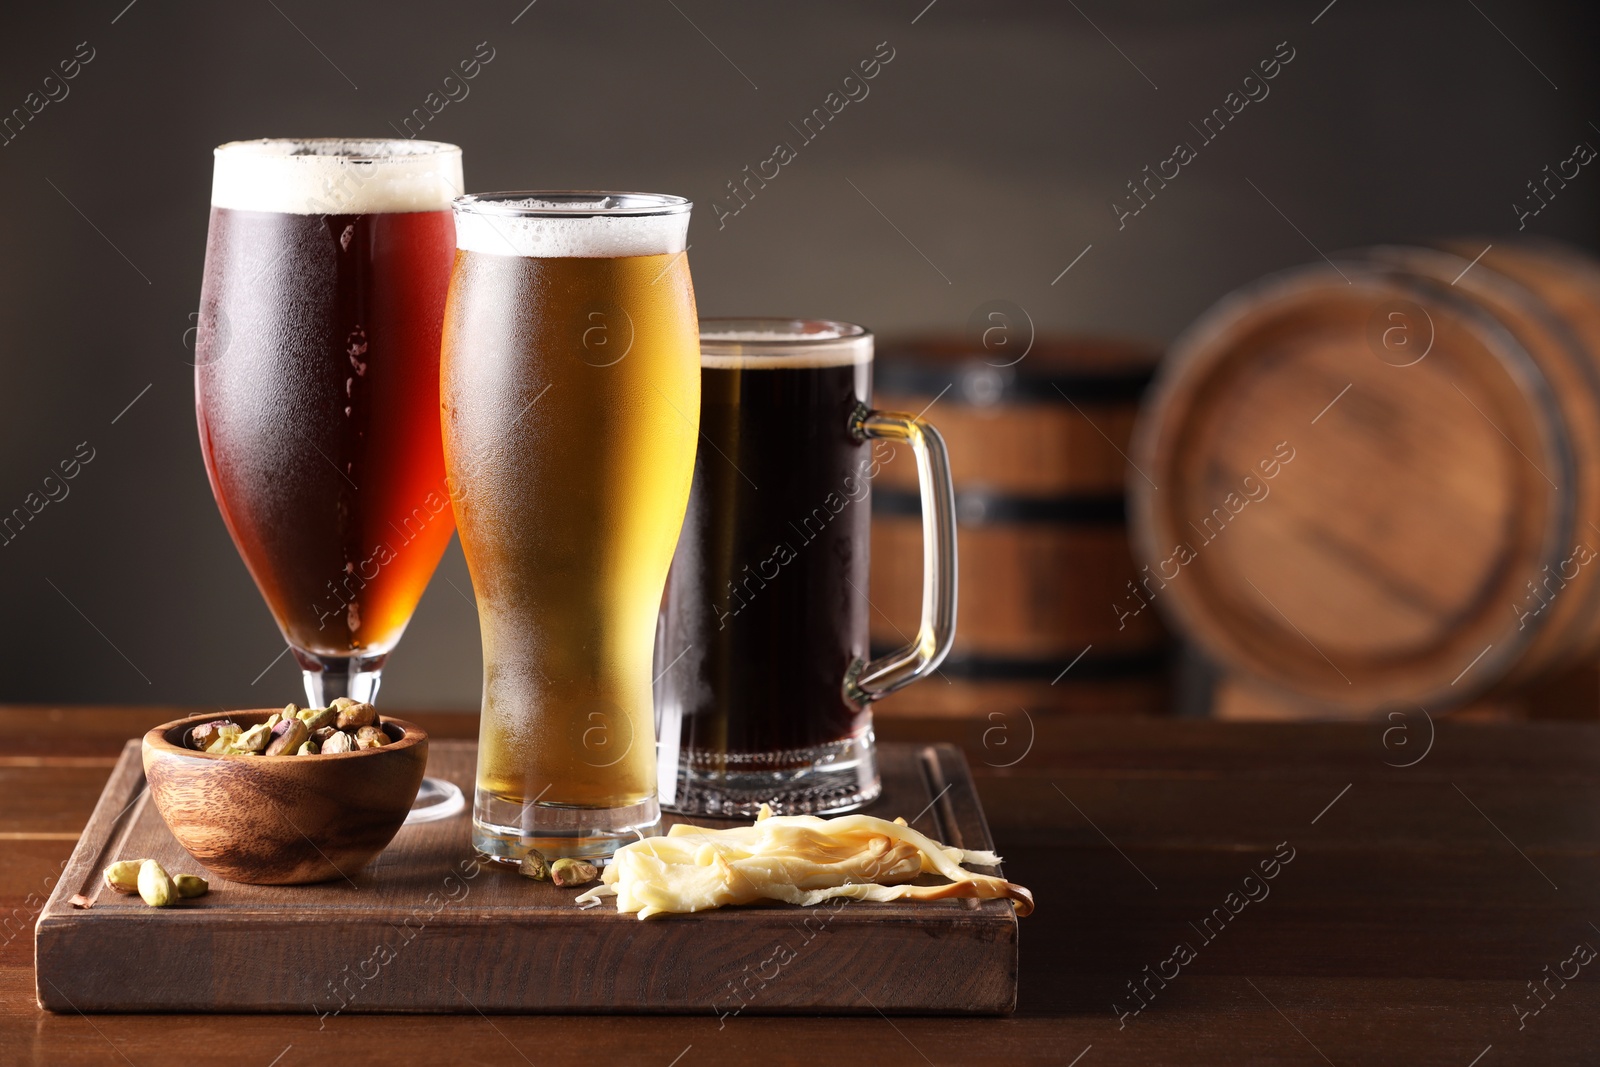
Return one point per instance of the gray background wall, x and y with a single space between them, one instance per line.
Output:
979 166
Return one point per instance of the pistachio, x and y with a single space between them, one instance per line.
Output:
340 703
321 734
338 741
201 737
353 715
191 885
308 748
291 710
123 876
287 736
254 739
533 866
156 885
316 718
371 737
565 872
274 719
227 734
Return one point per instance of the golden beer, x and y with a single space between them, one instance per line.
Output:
570 392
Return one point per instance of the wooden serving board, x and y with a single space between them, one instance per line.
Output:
427 928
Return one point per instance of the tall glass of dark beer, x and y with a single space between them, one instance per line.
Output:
763 682
571 393
317 386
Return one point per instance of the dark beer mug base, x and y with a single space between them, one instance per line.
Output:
836 777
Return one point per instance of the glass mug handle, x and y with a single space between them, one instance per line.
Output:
866 682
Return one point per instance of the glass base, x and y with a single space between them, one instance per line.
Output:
329 677
503 831
828 779
436 799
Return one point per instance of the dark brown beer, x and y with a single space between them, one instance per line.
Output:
779 512
317 391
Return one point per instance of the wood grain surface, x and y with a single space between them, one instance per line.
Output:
281 820
1413 917
1380 488
381 938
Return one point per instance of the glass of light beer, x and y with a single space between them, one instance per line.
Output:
571 398
317 386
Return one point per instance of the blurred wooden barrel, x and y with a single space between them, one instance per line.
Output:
1036 455
1377 484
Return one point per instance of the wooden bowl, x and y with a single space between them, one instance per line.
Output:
283 820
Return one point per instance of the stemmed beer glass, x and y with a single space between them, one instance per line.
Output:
317 387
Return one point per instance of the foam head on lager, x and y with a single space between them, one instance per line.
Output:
316 386
571 397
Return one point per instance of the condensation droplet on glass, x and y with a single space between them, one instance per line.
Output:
357 346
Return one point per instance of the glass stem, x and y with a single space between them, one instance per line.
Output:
330 677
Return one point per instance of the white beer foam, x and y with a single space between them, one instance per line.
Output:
500 227
335 176
747 349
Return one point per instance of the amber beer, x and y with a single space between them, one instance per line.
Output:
571 394
316 385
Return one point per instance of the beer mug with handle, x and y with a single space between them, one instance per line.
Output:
764 679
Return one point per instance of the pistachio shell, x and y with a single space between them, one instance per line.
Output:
254 739
287 736
338 741
316 718
201 737
354 715
191 885
565 872
156 885
123 876
371 737
227 734
533 866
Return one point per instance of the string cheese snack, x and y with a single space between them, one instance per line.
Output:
796 859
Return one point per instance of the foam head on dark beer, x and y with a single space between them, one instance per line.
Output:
335 176
760 344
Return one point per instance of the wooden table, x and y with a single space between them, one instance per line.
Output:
1410 913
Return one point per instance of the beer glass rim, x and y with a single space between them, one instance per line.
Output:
571 204
734 341
354 149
